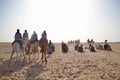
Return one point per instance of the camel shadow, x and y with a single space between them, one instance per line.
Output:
6 70
34 71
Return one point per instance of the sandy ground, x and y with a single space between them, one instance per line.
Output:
99 65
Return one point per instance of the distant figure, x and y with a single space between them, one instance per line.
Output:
50 47
90 45
18 38
80 48
92 41
34 37
64 47
77 41
91 48
44 35
76 47
105 44
25 35
50 43
63 44
88 41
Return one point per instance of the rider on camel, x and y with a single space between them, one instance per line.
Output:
43 39
34 37
105 45
44 35
18 38
25 35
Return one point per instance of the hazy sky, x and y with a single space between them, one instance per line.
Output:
63 20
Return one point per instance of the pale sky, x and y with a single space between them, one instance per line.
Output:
63 20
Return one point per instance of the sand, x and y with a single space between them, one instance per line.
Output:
99 65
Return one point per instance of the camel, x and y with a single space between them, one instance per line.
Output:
35 48
32 48
16 49
43 43
100 47
107 47
80 48
76 47
91 48
64 47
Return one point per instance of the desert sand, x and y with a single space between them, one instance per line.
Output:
73 65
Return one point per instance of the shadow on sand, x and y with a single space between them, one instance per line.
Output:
34 71
15 66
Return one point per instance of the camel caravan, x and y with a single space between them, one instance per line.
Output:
23 46
79 47
91 46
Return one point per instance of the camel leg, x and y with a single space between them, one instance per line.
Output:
29 56
45 57
16 53
22 52
11 57
38 55
23 55
26 51
42 57
19 52
24 58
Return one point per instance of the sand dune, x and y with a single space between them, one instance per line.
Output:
99 65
